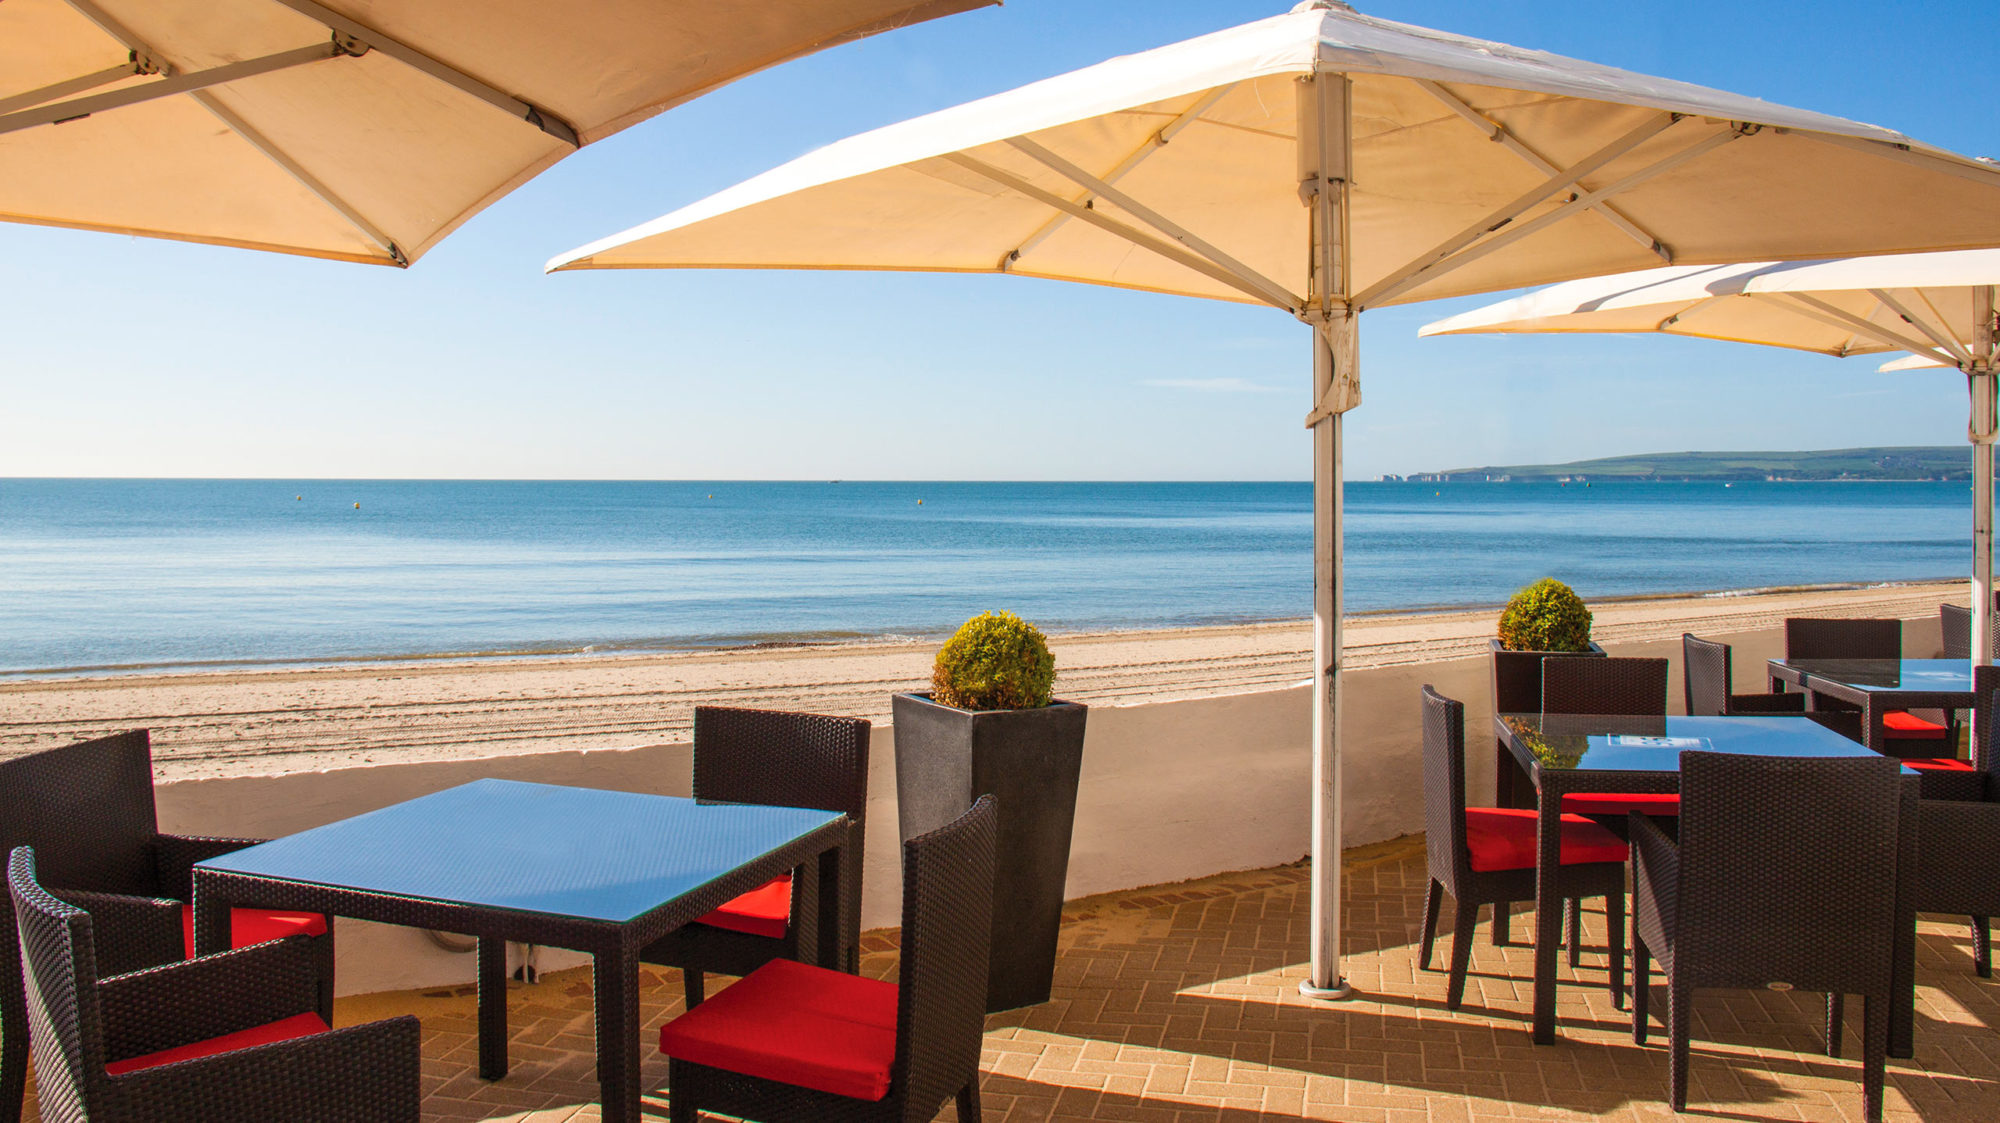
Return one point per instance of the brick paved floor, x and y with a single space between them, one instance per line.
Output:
1180 1003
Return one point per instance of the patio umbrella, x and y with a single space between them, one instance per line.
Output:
1938 307
362 130
1324 162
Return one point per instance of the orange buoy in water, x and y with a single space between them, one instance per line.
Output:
357 506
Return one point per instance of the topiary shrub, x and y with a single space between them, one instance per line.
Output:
995 661
1545 616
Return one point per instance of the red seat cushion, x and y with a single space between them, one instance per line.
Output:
1909 727
798 1025
1503 838
1940 764
254 926
298 1025
763 911
1622 803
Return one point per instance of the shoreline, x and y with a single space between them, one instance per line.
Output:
642 650
275 721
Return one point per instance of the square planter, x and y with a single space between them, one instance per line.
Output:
1029 761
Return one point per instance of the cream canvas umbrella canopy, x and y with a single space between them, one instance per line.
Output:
363 130
1324 162
1938 307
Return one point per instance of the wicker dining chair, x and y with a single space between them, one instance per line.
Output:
1955 630
218 1039
1486 855
793 1042
1958 862
88 810
1814 638
777 759
1706 669
1784 876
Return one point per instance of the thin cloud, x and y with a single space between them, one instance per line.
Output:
1211 385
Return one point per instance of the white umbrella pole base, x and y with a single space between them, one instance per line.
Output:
1339 990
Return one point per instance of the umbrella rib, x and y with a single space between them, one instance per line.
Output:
1499 133
168 87
1153 143
1272 290
63 89
1140 238
1555 184
305 178
143 56
1424 271
1812 307
452 76
1978 171
1940 337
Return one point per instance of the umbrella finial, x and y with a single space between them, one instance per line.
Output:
1321 6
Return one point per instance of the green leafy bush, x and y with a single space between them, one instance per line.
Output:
1545 616
996 661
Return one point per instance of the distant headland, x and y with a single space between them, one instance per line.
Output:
1940 462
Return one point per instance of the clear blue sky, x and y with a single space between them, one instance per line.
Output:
132 357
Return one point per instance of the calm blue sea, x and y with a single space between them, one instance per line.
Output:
114 574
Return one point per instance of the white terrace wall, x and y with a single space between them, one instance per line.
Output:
1171 791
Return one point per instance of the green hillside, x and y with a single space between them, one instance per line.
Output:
1943 462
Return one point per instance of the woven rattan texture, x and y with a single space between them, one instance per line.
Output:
79 1021
1814 638
1958 862
1955 627
87 809
781 759
1785 873
941 1003
1451 865
1707 670
1604 686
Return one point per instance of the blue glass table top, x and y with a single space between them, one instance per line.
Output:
1941 676
1604 743
576 852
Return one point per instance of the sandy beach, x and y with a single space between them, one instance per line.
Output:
277 721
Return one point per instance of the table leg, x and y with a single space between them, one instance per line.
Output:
211 918
836 950
1548 906
616 973
492 1007
1903 968
1872 733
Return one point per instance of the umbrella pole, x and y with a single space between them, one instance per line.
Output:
1980 378
1323 162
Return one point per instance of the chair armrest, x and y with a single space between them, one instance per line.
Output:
164 1007
1958 857
1767 703
174 856
131 933
360 1072
1656 865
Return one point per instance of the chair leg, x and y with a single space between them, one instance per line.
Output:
968 1102
1432 903
1461 951
680 1095
1614 923
691 986
1503 915
1982 947
1680 1023
1642 989
1575 909
1836 1018
1874 1053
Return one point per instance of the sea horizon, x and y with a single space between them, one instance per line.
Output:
133 576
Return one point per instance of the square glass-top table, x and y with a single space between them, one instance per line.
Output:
601 872
1569 753
1878 686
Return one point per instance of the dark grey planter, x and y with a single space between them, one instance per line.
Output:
1029 761
1517 676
